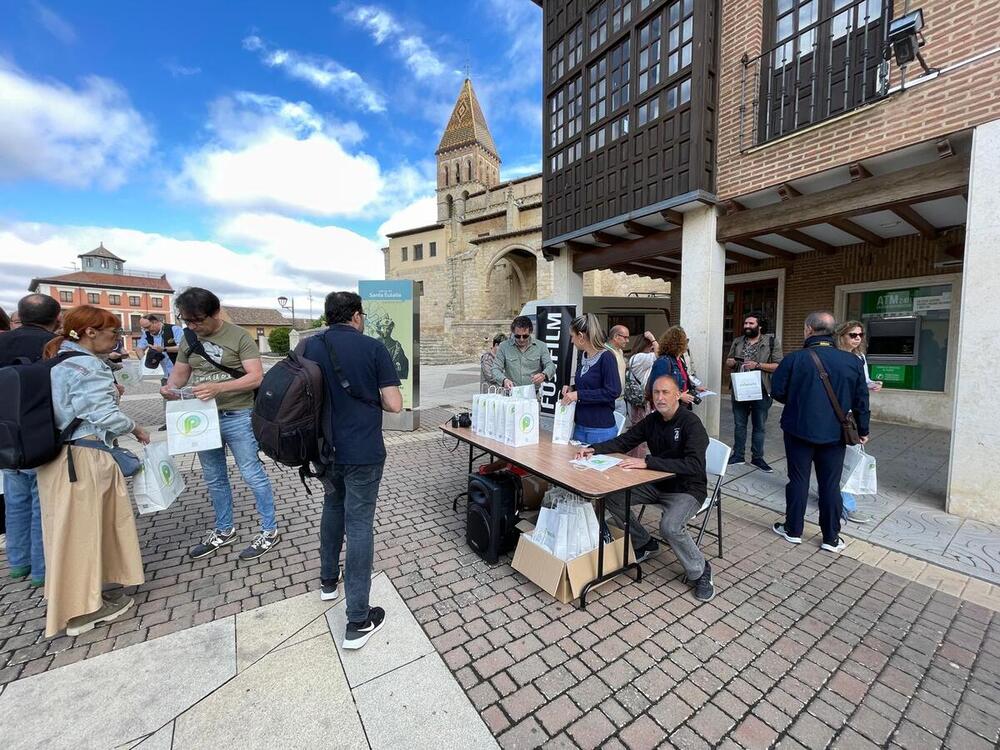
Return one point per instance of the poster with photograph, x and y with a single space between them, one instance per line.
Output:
389 317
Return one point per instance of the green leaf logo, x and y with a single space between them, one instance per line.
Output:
166 472
191 423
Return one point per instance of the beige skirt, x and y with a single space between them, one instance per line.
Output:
89 534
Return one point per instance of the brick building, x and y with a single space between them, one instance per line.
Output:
103 281
259 322
770 156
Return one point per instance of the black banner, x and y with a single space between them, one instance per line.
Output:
553 331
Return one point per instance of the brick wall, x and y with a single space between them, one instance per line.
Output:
955 31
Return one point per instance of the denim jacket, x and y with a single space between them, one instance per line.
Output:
84 387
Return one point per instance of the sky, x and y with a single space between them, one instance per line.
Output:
255 148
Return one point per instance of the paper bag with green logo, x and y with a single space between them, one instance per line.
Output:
563 423
192 426
525 422
159 483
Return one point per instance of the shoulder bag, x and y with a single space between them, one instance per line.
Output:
848 427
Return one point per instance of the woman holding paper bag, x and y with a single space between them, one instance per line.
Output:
597 383
88 526
851 338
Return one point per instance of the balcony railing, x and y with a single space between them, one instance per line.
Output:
825 69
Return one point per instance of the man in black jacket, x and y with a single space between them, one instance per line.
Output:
677 443
39 315
813 433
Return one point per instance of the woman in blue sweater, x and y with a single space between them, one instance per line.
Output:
597 383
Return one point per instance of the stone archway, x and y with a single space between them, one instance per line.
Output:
511 281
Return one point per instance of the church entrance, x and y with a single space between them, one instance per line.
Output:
511 281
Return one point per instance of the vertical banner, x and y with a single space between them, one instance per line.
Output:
390 317
553 331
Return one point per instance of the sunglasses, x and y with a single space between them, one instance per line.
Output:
856 335
522 336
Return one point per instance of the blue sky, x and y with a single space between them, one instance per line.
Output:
255 147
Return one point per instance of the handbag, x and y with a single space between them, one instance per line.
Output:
129 463
848 427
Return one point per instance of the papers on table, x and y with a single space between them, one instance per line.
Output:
599 463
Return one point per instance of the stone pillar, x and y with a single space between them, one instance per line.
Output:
973 480
567 284
703 276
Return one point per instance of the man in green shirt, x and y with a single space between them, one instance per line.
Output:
522 359
222 362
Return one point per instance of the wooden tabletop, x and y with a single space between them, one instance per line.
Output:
551 461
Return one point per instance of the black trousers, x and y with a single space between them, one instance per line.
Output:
828 459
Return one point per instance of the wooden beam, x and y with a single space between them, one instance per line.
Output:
945 149
674 217
804 239
925 182
904 212
579 247
642 230
763 247
627 251
787 192
606 239
658 265
732 206
643 270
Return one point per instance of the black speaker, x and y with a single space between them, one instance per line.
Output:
491 514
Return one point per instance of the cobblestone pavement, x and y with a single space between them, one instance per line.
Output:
800 649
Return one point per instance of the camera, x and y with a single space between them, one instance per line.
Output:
462 420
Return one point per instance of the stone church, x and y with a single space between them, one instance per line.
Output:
482 260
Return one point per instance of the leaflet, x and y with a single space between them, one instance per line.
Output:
599 463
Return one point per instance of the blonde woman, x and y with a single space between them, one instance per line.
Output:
851 338
597 384
87 521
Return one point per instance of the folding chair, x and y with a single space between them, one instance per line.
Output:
716 462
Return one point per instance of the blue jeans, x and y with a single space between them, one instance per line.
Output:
593 435
757 412
850 502
349 509
24 522
237 435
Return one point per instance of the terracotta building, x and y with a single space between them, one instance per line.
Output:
103 281
791 155
257 321
483 259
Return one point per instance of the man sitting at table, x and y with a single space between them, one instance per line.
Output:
677 443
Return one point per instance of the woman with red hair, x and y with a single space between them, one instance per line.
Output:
87 521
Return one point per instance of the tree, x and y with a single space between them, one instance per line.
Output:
278 340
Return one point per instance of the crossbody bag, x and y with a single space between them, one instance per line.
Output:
848 427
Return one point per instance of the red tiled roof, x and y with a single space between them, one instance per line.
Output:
106 280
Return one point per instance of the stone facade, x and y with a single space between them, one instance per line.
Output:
487 245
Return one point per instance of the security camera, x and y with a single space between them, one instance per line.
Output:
905 39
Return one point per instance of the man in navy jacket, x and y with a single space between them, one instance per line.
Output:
813 434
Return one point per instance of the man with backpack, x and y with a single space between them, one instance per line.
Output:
223 363
361 382
754 350
39 316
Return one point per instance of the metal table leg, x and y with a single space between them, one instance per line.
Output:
626 565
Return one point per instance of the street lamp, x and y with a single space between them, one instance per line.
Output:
283 301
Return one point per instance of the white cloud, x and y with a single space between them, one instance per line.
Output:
419 213
274 155
180 71
416 54
55 24
283 257
80 137
323 73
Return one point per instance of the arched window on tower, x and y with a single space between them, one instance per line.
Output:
446 175
458 172
451 206
468 169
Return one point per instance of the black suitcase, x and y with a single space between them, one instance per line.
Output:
491 514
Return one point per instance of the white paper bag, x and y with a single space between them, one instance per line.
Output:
746 385
525 426
510 420
859 475
478 399
159 483
192 426
522 391
544 534
151 373
130 374
563 422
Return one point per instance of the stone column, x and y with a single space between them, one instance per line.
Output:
567 284
973 480
703 276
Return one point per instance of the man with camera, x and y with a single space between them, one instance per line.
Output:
158 346
522 359
753 351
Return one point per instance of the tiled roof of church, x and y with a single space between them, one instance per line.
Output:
467 124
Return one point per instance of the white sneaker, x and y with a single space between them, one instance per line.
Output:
328 592
779 529
3 541
838 546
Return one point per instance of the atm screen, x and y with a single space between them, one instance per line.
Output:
894 341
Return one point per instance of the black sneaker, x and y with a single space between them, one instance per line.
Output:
263 543
647 550
358 633
761 464
704 587
328 589
734 460
779 529
215 539
161 428
837 545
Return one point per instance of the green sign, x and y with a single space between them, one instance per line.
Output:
890 375
895 301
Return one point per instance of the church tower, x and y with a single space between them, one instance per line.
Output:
467 158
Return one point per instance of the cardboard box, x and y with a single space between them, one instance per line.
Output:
533 488
561 579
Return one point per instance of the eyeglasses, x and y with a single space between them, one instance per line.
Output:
522 336
856 335
621 336
196 321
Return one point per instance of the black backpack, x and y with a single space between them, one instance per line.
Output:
28 434
288 410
